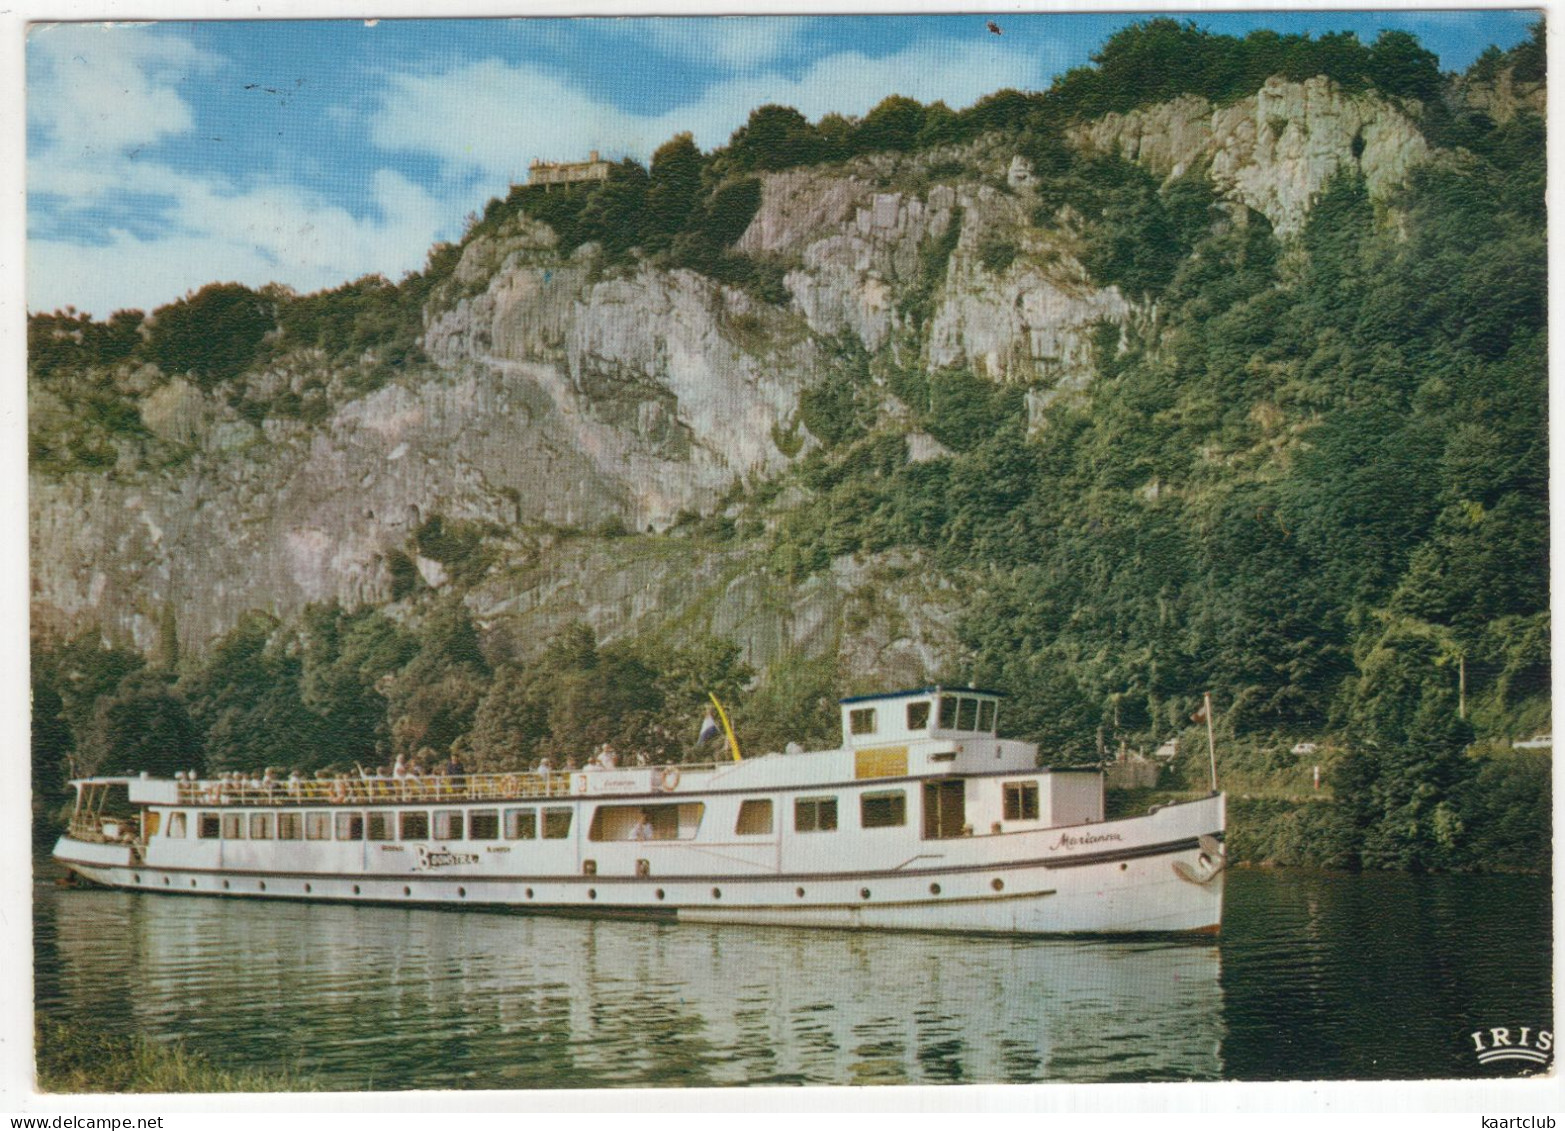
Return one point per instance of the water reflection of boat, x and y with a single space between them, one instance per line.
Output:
407 998
923 819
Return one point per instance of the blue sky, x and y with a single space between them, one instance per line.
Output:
165 156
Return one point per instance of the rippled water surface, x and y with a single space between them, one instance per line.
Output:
1317 976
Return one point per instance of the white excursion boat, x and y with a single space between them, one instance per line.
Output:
923 819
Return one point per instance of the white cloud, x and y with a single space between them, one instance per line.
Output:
272 233
99 95
734 42
490 119
99 90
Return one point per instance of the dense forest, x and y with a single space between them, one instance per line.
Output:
1314 486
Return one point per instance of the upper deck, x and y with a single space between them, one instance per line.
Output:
926 732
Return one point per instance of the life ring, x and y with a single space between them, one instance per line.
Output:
509 785
670 779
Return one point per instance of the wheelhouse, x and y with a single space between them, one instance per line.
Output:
927 713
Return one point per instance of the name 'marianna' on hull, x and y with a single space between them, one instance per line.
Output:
923 819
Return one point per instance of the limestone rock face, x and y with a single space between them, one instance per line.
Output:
1273 152
566 391
860 249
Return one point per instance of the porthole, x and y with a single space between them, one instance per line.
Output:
934 889
592 893
263 885
863 893
997 883
308 889
658 893
136 876
407 891
799 892
225 885
1122 867
165 881
529 893
717 893
192 883
461 893
355 889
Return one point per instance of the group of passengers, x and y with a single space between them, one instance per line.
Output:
405 779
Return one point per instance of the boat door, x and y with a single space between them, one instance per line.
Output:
945 808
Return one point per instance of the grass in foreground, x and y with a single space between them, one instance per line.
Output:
74 1059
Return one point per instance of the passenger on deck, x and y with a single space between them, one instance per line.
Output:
607 759
643 829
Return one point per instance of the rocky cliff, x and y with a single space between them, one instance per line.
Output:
567 392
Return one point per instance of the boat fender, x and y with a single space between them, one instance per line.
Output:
670 779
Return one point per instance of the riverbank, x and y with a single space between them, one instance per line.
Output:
76 1059
1319 832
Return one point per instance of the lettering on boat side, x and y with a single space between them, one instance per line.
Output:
1067 841
442 858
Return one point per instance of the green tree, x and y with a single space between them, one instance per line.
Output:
774 137
213 334
142 727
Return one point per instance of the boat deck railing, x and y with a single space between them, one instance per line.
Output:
96 828
351 789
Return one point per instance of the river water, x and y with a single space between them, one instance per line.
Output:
1316 976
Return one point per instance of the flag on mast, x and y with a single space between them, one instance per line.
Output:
708 728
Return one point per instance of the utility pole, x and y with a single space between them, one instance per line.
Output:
1461 686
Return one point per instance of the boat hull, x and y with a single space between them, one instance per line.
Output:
1149 874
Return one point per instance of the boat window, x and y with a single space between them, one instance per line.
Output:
986 710
415 825
151 823
645 822
448 824
1021 800
290 826
918 715
260 826
350 826
521 824
556 823
948 712
755 818
233 826
967 714
862 720
207 826
317 826
484 824
378 825
883 810
814 814
176 825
